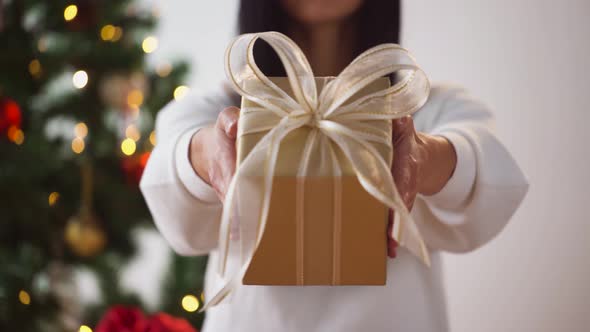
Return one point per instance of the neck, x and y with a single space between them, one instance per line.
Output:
329 47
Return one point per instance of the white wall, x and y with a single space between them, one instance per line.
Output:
530 61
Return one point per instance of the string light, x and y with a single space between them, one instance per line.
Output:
118 34
190 303
84 328
153 138
78 145
24 297
70 12
132 132
81 130
128 146
135 98
35 68
180 92
80 79
111 33
149 44
42 44
164 69
15 135
53 197
107 32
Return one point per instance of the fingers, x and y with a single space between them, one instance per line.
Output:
402 127
405 165
227 121
391 243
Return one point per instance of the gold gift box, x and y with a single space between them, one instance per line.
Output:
352 252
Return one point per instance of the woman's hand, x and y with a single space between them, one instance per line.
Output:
421 164
212 151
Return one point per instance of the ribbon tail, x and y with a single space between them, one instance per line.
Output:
253 200
375 176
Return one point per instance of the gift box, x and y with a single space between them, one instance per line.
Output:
313 182
340 236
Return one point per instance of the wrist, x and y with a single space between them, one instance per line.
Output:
197 154
438 164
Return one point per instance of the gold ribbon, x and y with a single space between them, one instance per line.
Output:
338 124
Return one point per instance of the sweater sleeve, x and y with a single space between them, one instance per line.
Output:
185 209
487 185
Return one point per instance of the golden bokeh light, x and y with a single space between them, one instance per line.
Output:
42 44
78 145
128 146
15 135
24 297
135 98
81 130
190 303
84 328
180 92
163 69
107 32
149 44
153 138
118 34
53 197
133 133
35 68
80 79
70 12
111 33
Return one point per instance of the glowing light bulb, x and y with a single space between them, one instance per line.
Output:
70 12
164 69
132 132
53 197
78 145
149 44
128 146
81 130
35 68
84 328
42 44
107 32
135 98
180 92
16 135
153 138
118 34
80 79
190 303
24 297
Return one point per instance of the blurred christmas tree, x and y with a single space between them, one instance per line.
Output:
77 107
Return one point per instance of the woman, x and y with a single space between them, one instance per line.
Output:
458 179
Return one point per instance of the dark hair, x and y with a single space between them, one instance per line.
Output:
379 22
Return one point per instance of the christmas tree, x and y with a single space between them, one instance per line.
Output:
77 107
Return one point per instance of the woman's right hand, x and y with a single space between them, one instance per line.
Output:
212 151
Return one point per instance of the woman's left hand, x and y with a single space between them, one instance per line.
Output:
421 164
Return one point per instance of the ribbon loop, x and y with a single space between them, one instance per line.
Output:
338 121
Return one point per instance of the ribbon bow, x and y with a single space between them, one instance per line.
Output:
338 124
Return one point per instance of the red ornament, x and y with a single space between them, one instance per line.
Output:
122 319
133 167
129 319
10 114
162 322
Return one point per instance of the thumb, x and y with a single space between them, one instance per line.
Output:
402 127
227 121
